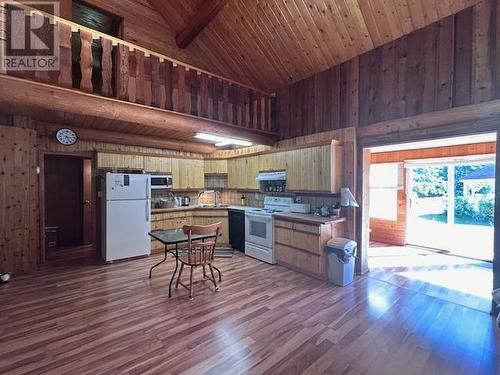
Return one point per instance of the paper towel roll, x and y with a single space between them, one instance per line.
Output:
347 199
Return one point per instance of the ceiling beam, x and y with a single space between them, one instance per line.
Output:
128 139
204 12
40 95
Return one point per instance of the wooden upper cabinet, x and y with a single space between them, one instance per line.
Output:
216 166
119 161
154 164
242 173
233 174
188 174
272 162
314 169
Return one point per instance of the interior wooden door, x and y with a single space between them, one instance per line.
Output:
19 200
63 177
87 229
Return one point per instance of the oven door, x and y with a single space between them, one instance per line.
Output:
259 229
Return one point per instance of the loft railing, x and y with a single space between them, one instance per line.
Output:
93 62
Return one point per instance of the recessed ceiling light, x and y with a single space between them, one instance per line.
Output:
221 141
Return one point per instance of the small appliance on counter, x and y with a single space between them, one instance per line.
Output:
185 201
336 210
324 211
300 208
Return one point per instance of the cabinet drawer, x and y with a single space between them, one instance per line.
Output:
313 229
301 261
210 213
305 241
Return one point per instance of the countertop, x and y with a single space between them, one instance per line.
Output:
192 208
309 218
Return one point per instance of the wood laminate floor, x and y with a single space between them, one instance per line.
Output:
460 280
111 319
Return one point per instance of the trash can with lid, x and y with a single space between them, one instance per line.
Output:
341 257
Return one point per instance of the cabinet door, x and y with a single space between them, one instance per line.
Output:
188 174
251 170
309 169
322 177
216 166
176 174
195 178
295 172
266 162
234 173
119 161
157 164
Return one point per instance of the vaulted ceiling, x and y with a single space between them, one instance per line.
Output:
271 43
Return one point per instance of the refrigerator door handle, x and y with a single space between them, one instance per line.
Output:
148 189
147 210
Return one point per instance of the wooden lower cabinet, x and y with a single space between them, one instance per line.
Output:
301 246
206 217
174 220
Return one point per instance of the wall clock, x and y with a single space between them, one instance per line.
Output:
66 136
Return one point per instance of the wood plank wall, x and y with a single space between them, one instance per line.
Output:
391 232
451 63
19 200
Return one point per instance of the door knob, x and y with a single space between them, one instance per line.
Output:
86 202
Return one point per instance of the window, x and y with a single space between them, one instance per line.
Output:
384 184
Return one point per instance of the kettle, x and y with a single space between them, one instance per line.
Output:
185 201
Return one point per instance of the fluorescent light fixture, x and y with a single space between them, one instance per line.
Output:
222 141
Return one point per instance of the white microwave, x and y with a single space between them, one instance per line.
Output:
161 182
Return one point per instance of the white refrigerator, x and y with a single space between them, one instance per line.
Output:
126 216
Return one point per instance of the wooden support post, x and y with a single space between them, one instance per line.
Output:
363 216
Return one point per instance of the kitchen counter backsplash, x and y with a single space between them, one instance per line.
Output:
257 199
254 199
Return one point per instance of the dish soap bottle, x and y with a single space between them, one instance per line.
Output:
243 200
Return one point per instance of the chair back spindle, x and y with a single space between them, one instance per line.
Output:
201 252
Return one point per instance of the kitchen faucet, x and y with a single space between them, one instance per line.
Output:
214 192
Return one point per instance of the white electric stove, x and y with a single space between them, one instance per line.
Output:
259 228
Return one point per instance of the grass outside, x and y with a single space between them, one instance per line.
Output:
442 218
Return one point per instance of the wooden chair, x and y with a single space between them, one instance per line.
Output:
199 253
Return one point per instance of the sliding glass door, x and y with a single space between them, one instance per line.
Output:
451 207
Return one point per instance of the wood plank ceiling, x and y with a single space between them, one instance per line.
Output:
272 43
